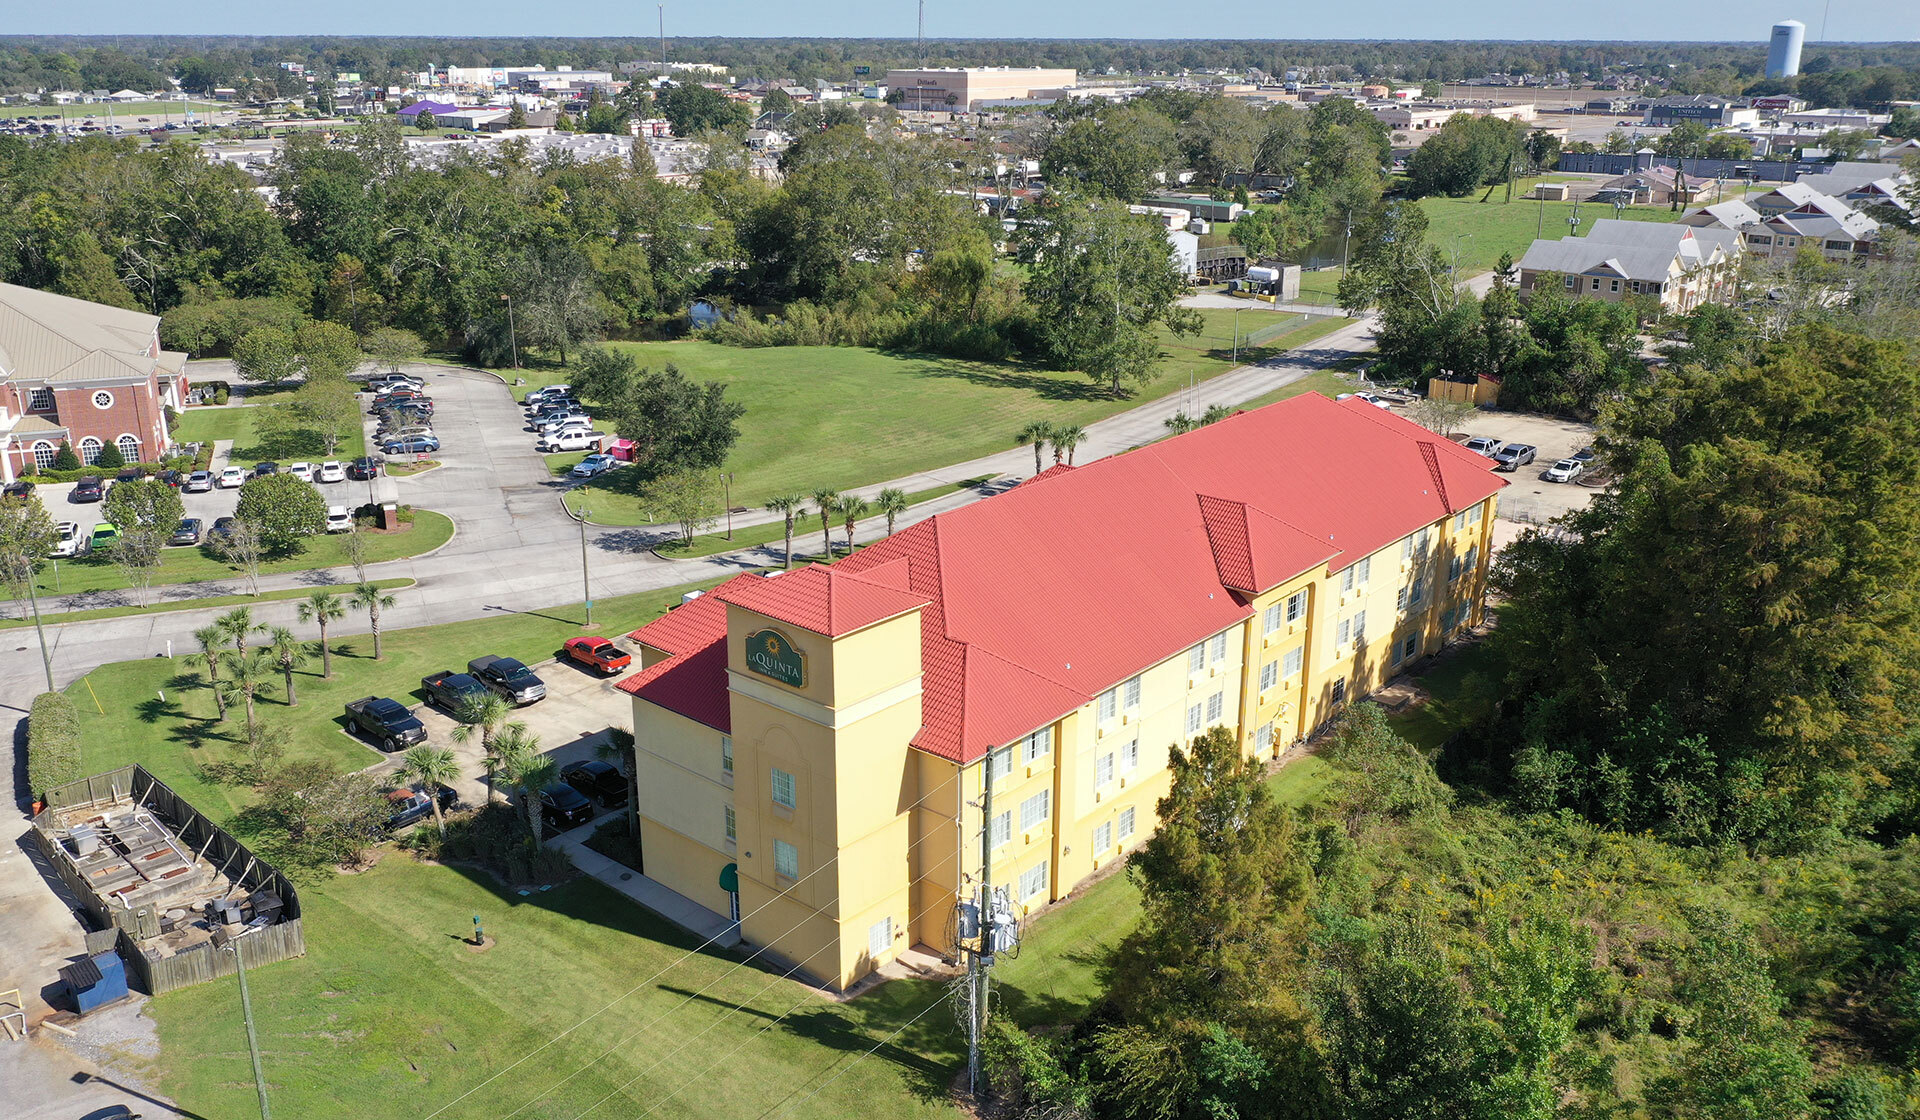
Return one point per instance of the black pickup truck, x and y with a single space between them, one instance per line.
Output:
386 722
513 681
451 690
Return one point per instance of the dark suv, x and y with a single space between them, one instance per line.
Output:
88 489
564 807
601 781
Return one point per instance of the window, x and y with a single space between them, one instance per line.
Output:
1033 881
1273 618
1400 599
1572 282
1296 606
783 788
1126 822
1193 720
1759 239
1340 691
1365 569
129 448
89 450
1473 559
1216 704
1346 580
1131 691
1839 246
1409 647
1269 675
1654 286
1633 286
1418 594
1263 738
1343 633
726 755
1000 762
1360 628
103 399
1130 756
1036 809
1102 837
1219 648
1292 660
1109 704
786 859
1197 658
732 825
1037 745
43 453
1103 771
40 400
1613 285
1000 831
880 937
1596 284
1473 516
1453 569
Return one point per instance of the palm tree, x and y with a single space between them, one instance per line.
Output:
1036 433
823 500
248 674
482 715
1065 439
893 502
237 624
211 637
323 607
371 599
432 767
790 507
288 653
850 507
528 769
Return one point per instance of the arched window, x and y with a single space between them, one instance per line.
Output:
43 453
129 448
89 450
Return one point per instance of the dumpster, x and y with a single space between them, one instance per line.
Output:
96 981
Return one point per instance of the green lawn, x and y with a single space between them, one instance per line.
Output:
1447 710
182 605
844 417
95 572
126 115
1481 231
615 504
204 425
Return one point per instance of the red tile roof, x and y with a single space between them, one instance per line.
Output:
1036 600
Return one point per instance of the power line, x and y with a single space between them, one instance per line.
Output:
668 967
863 1057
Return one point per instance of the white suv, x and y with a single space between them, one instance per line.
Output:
568 439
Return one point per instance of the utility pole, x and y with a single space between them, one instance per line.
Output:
586 582
663 38
726 479
920 34
46 659
982 958
230 945
513 337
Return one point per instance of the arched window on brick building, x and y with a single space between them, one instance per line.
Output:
129 448
89 450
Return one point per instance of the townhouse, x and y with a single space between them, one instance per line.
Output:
1681 266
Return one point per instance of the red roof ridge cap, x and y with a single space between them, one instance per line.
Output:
1431 455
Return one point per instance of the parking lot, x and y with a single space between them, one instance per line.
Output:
1528 497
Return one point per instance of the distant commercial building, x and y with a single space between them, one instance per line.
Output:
1701 108
961 89
1783 50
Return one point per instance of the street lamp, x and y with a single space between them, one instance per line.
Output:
1236 334
225 943
726 480
586 582
513 339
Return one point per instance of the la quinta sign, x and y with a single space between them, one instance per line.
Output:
770 654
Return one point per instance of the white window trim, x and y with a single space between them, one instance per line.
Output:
95 398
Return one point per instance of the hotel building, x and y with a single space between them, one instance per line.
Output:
818 740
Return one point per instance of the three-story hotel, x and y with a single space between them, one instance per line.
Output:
818 740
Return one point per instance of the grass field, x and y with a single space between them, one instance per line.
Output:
1481 231
125 114
182 605
844 417
193 565
204 425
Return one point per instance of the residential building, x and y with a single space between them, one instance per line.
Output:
961 89
815 747
81 373
1682 266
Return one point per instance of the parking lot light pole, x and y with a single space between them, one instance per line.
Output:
46 660
586 582
726 479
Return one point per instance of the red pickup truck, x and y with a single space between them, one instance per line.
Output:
598 653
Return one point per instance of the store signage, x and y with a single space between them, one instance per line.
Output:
770 654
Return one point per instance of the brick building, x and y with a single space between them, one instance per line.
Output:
83 373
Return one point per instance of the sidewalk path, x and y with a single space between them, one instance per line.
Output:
669 904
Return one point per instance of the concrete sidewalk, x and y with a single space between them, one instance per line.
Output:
669 904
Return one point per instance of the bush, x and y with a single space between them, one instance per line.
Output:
64 459
110 458
53 743
221 393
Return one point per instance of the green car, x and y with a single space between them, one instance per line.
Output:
105 535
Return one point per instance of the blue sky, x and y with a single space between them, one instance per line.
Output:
1147 19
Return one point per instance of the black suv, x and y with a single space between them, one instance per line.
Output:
564 807
600 780
88 489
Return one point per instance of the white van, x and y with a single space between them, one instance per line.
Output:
569 439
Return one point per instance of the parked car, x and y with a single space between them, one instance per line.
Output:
20 490
363 468
564 807
129 474
562 427
301 471
386 382
262 470
599 780
88 489
231 477
1566 470
1482 445
411 445
420 408
386 722
333 470
199 482
171 478
411 806
222 529
546 393
514 682
555 406
408 431
394 396
1513 456
1584 455
339 519
186 533
597 653
568 439
452 691
105 535
68 542
593 465
1371 398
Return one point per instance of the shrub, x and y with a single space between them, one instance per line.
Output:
110 458
53 743
64 459
221 393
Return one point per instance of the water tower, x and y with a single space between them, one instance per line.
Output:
1783 50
